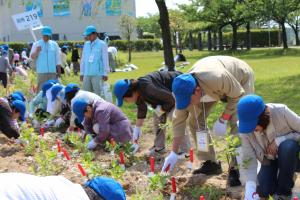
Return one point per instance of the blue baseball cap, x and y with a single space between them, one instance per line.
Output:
15 96
89 30
55 90
183 88
72 87
249 108
20 95
4 52
47 85
21 107
120 89
107 188
78 108
47 31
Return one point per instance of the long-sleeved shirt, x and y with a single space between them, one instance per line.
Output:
220 77
38 102
18 186
284 124
94 59
156 89
108 122
4 65
8 126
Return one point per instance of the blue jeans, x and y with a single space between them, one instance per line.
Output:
277 178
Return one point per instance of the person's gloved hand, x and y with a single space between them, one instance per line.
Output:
170 162
49 123
137 132
135 148
58 122
92 145
158 111
250 191
220 127
30 116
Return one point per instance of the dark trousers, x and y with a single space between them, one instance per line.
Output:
3 79
278 177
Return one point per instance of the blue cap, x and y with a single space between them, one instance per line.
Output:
107 188
47 31
14 97
183 88
21 107
120 89
47 85
20 94
78 108
249 108
89 30
72 87
55 90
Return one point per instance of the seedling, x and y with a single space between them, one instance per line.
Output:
157 182
30 139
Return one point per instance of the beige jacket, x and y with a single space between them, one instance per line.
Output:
284 124
219 77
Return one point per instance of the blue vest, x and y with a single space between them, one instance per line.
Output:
92 55
46 61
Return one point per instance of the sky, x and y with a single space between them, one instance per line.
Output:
149 6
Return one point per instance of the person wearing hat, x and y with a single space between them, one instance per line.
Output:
75 59
104 119
38 105
270 134
10 112
155 90
211 79
4 66
58 188
46 54
72 93
94 67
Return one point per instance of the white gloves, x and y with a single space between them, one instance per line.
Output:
92 145
220 128
137 132
58 122
135 148
49 123
96 128
158 111
170 162
250 191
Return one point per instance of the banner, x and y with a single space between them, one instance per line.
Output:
34 5
61 7
87 6
113 7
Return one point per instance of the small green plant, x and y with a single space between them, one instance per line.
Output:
30 140
116 171
209 191
95 170
157 182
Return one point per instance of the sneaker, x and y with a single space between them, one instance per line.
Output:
209 168
234 178
183 155
154 151
281 197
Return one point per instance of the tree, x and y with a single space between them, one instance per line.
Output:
166 34
294 21
149 24
279 10
127 27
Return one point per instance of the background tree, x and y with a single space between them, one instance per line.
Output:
127 27
149 24
294 21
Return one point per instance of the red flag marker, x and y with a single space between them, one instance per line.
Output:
66 154
191 155
173 184
202 198
82 171
79 131
58 146
122 161
152 164
42 132
295 198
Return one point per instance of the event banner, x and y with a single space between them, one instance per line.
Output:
87 6
61 7
34 5
113 7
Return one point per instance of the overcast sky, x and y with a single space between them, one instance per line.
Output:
149 6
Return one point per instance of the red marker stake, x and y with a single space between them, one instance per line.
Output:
82 171
202 198
42 132
122 160
295 198
79 131
112 142
66 154
152 164
58 146
173 194
190 164
167 168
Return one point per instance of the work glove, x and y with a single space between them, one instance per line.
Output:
92 145
58 122
250 191
137 132
170 162
220 127
158 111
49 123
135 147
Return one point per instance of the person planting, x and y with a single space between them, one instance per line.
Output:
270 133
